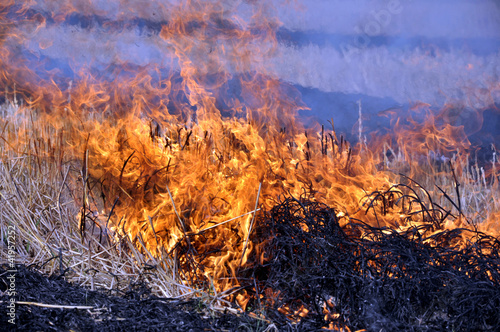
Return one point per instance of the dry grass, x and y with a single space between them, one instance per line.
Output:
456 183
41 193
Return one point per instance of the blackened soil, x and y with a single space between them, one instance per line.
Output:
134 310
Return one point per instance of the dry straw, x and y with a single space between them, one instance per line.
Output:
40 196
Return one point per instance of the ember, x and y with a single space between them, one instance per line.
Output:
188 150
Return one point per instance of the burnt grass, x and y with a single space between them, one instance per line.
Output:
375 278
133 310
354 275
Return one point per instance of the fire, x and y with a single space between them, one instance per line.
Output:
183 153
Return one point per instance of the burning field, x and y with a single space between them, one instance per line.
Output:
152 144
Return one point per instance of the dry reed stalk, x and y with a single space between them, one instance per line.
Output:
56 306
251 225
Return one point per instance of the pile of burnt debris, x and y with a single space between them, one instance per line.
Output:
356 276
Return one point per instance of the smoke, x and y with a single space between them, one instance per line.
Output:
385 53
391 53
